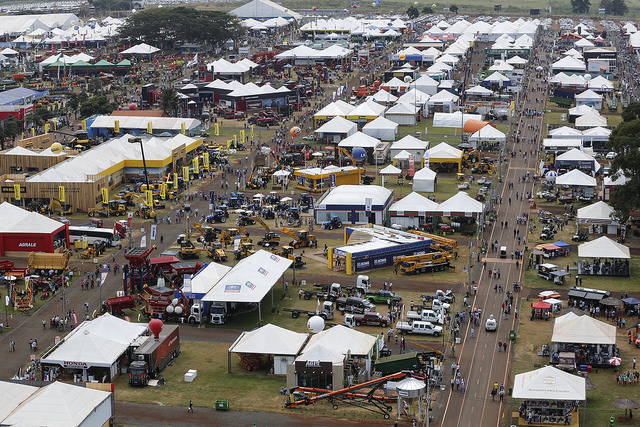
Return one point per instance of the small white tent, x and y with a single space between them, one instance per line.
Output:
410 211
381 128
424 180
549 383
410 144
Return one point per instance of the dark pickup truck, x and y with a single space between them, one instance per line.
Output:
382 297
371 319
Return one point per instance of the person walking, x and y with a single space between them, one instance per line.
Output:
12 346
190 409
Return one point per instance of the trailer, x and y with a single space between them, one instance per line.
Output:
118 304
326 313
150 355
44 261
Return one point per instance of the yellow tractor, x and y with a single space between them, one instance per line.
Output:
286 251
244 250
112 208
301 238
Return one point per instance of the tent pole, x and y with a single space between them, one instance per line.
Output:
260 313
584 415
229 362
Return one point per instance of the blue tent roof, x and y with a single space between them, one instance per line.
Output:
20 95
561 244
631 301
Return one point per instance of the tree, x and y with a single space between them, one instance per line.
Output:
427 10
453 9
97 105
625 140
618 7
169 101
580 6
173 26
12 127
413 12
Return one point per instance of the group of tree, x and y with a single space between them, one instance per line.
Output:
611 7
625 140
413 11
170 27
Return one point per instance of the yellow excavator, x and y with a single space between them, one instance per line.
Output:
62 207
244 250
287 252
270 238
301 238
212 246
346 153
227 236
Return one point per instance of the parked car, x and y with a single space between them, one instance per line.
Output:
610 155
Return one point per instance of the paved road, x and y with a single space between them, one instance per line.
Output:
481 364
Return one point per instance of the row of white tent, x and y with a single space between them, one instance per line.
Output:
268 24
597 84
223 67
238 89
491 31
353 26
304 52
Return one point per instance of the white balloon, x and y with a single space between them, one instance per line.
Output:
315 324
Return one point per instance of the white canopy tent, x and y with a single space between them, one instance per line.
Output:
359 139
205 279
250 279
591 98
444 101
576 178
403 114
598 214
603 247
337 129
453 120
424 180
591 120
381 128
270 339
584 330
410 144
549 383
141 49
487 134
460 204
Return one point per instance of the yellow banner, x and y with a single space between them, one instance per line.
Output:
116 126
183 128
16 191
251 131
105 195
46 128
185 173
205 160
175 181
149 195
242 136
235 140
61 193
163 190
149 128
196 165
216 129
229 141
33 131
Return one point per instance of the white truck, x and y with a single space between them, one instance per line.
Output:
435 317
326 312
219 312
445 296
363 286
419 327
436 305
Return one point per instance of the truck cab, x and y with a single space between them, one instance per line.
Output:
218 313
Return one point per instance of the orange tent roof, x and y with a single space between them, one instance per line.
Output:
472 125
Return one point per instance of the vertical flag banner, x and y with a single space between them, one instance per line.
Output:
175 181
229 141
16 191
61 193
196 165
251 131
183 128
149 195
154 230
235 140
46 128
149 128
185 173
116 126
216 129
242 136
163 190
205 160
33 131
105 195
84 125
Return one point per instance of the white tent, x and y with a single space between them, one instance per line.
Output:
250 279
600 84
479 91
516 60
444 100
384 97
205 279
96 343
411 210
589 97
487 133
17 220
390 170
584 330
141 49
569 63
576 178
460 204
453 120
337 129
603 247
425 84
342 340
577 157
359 139
410 144
381 128
565 132
497 78
424 180
592 119
264 9
549 383
597 213
403 114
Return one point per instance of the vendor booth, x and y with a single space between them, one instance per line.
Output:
582 185
443 158
411 210
424 180
549 396
336 129
381 128
604 258
599 217
592 341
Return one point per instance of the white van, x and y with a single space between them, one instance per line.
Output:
503 251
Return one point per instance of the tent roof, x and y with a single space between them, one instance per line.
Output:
603 247
337 108
270 339
591 119
264 9
250 279
565 130
17 220
390 170
141 48
402 108
404 154
576 177
367 109
443 151
425 173
384 96
410 142
600 82
57 404
549 383
576 155
357 195
599 210
569 63
588 95
337 125
341 340
359 139
460 202
488 132
516 60
99 342
584 330
206 278
479 90
497 77
414 202
381 123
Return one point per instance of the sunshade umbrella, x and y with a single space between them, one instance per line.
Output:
286 199
626 404
610 301
328 147
317 154
10 278
615 361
